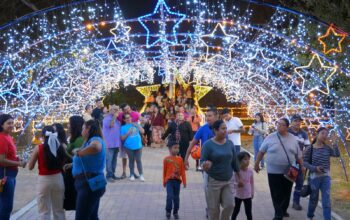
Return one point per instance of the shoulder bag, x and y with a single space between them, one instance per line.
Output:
95 183
292 171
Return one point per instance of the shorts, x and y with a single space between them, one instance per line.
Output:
122 153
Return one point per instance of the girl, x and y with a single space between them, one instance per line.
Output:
259 129
51 157
246 192
320 179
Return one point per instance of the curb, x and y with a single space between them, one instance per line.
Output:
23 210
334 215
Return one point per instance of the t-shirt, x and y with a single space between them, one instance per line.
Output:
111 134
276 158
204 133
247 177
302 137
133 141
223 158
78 142
173 169
8 148
234 124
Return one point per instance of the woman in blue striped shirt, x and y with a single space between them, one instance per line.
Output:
317 160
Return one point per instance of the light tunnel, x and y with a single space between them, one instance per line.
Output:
54 61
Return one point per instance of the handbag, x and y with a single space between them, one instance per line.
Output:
306 188
97 182
291 173
3 181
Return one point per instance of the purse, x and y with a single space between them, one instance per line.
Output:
291 173
97 182
306 188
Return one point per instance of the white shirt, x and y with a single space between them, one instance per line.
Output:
234 124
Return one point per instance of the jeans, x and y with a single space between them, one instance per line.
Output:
280 189
237 149
298 185
322 183
172 196
257 141
88 202
219 193
135 155
7 196
247 207
111 161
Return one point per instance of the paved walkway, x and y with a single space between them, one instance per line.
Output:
125 200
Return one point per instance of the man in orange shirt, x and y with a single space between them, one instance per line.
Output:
173 175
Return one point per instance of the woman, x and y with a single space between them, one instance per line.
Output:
9 164
75 127
131 137
259 130
218 160
157 122
61 134
51 157
89 162
320 179
195 121
180 132
279 146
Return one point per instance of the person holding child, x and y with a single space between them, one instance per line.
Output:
173 175
245 193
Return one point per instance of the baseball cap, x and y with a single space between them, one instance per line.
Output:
296 117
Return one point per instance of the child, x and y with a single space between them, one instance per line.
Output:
246 192
173 175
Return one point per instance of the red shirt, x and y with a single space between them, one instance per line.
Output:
157 120
173 168
43 170
8 148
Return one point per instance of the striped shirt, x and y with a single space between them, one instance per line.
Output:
320 158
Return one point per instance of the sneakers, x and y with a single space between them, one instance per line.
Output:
142 178
116 178
110 179
123 176
132 178
168 214
176 216
286 215
297 206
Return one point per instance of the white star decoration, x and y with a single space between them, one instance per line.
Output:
120 28
228 39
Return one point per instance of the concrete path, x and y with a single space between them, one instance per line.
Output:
125 200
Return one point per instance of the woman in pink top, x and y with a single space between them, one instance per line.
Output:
245 193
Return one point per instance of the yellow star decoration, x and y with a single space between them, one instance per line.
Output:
146 91
228 38
201 91
333 69
332 32
348 134
127 29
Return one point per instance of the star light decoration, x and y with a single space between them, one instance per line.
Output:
313 83
75 57
227 42
164 20
332 33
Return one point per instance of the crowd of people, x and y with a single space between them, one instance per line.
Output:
74 168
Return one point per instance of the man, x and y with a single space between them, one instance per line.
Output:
111 134
87 114
203 134
97 113
303 141
134 118
234 128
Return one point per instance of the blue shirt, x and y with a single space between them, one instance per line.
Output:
133 141
302 137
94 163
204 133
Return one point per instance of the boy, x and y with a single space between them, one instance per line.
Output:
173 175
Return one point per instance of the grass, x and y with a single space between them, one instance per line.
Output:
340 191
